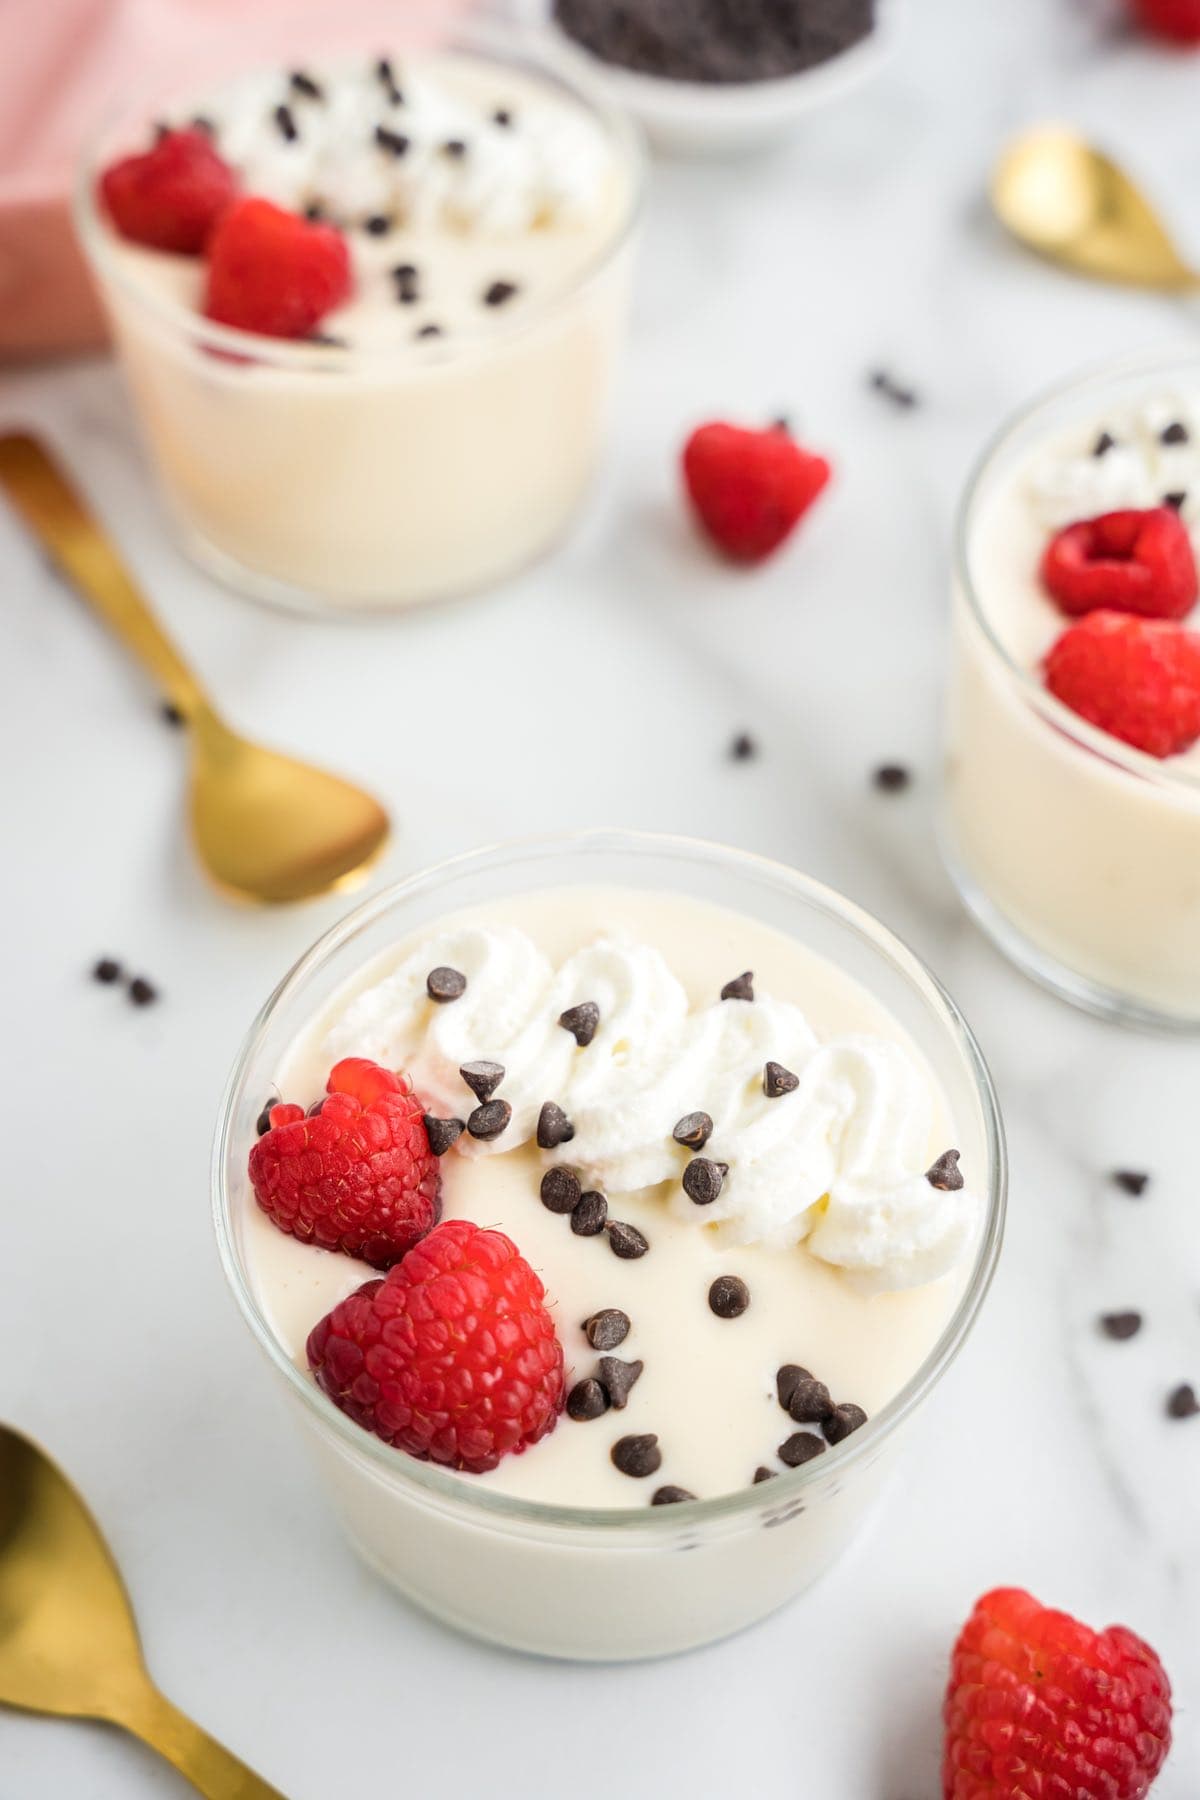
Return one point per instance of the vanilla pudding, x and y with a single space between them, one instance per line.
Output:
844 1257
440 428
1076 851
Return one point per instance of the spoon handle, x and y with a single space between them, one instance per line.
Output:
212 1770
56 514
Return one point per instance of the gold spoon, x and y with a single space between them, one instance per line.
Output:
265 826
68 1641
1070 202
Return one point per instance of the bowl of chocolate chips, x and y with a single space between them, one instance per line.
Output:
708 77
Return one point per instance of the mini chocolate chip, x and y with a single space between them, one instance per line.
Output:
455 149
728 1297
442 1133
443 985
200 123
502 116
625 1241
777 1080
1175 433
430 331
314 211
587 1400
553 1127
587 1218
703 1180
762 1473
170 714
1131 1181
617 1377
286 124
740 988
303 83
842 1421
487 1122
891 389
1103 444
945 1173
499 293
384 73
891 778
743 748
637 1456
787 1379
263 1122
560 1190
106 971
693 1130
378 225
394 142
1182 1402
801 1447
1121 1325
581 1021
483 1078
809 1401
1176 499
606 1329
670 1496
141 992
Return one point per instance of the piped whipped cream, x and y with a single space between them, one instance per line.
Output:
1138 457
837 1164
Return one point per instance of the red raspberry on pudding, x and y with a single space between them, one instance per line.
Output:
1136 562
453 1356
273 272
750 489
1178 21
170 197
1136 678
355 1174
1038 1704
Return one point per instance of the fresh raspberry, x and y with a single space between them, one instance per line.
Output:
354 1174
172 196
1176 20
1136 678
1137 562
452 1356
274 272
749 489
1040 1707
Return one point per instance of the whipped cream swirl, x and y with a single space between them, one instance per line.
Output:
837 1164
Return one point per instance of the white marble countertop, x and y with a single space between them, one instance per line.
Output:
605 687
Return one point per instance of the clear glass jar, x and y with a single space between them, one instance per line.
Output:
639 1581
1078 855
329 478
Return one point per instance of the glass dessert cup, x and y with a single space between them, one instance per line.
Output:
605 1584
330 478
1076 853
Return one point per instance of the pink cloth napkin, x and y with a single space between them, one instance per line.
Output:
65 65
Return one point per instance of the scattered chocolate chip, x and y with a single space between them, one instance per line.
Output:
1182 1402
945 1173
200 123
892 778
703 1180
487 1122
581 1021
302 83
263 1122
801 1447
142 992
728 1297
386 76
740 988
670 1496
502 116
606 1329
1175 433
809 1401
106 971
1176 499
443 984
787 1379
743 748
617 1378
499 293
892 390
762 1473
1121 1325
693 1130
1131 1181
455 149
553 1127
408 283
587 1400
170 714
431 331
560 1190
314 211
286 124
378 225
777 1080
588 1217
394 142
625 1241
442 1133
327 339
483 1078
1103 444
842 1421
781 422
637 1456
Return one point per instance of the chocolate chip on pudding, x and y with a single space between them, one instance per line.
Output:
800 1448
777 1080
945 1173
626 1241
483 1078
740 988
728 1297
703 1180
842 1421
637 1456
607 1328
553 1127
443 985
581 1021
587 1400
560 1190
487 1122
589 1214
693 1130
442 1133
617 1378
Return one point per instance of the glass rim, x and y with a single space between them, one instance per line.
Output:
490 40
1146 361
427 1478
